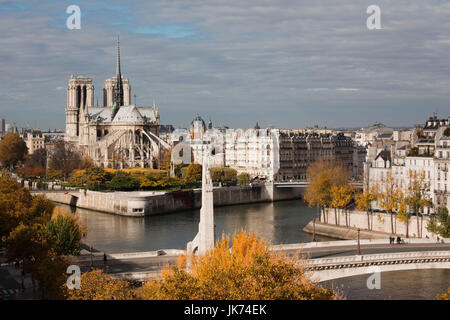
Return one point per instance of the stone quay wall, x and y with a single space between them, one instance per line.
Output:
144 203
344 225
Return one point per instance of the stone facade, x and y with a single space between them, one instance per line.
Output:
271 154
118 134
425 151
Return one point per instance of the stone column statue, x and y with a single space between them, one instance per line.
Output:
204 240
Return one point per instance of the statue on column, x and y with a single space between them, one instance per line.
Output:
204 240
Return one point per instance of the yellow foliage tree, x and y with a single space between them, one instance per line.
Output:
341 195
322 175
364 203
247 271
389 196
417 197
95 285
444 296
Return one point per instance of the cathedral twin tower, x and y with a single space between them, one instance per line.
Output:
80 96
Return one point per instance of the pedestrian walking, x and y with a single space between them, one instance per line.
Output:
437 239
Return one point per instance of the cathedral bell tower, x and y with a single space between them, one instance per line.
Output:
80 96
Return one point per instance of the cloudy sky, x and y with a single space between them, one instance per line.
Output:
288 63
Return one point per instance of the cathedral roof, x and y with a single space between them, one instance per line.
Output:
127 114
100 114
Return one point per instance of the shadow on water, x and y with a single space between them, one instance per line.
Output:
279 222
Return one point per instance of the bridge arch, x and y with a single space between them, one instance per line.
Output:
333 274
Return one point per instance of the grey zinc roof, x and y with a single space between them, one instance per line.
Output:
148 112
102 114
128 114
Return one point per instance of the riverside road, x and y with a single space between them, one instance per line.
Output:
154 264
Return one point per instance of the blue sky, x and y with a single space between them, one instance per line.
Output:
287 63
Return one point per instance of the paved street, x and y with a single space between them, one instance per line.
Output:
156 263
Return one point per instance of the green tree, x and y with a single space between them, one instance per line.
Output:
67 231
243 178
124 181
224 175
440 224
12 150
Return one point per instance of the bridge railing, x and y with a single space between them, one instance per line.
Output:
378 257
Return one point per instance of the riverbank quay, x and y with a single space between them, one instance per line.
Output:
344 224
145 203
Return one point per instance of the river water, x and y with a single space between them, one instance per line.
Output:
279 222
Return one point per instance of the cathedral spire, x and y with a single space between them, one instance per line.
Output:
118 58
118 87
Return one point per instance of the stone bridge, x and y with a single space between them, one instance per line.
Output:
340 267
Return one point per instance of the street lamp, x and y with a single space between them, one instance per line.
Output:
92 261
314 230
358 252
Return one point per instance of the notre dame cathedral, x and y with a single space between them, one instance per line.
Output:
118 134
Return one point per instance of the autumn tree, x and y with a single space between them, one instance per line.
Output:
64 158
444 296
35 164
416 196
364 202
321 176
95 285
389 197
402 210
165 163
86 162
341 196
247 271
34 245
17 205
92 178
193 173
12 150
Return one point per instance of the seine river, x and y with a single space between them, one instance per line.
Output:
279 222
